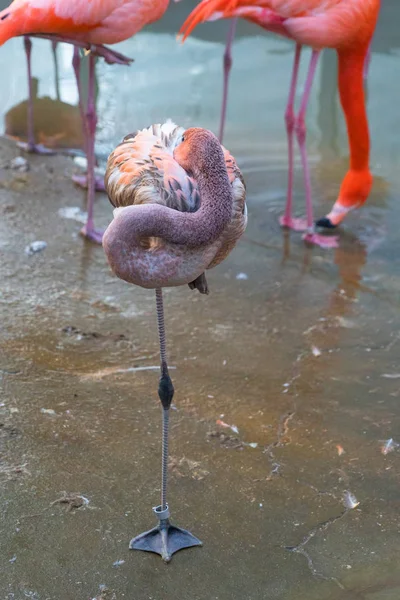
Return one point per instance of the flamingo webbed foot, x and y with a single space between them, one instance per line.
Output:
35 148
323 241
165 539
92 234
296 224
82 181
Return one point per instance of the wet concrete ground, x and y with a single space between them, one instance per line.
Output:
298 348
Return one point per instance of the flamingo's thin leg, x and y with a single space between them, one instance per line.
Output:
91 122
54 44
301 133
30 145
82 180
227 69
287 219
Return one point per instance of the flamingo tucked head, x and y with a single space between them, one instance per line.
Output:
198 151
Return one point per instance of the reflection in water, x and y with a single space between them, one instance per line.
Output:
57 124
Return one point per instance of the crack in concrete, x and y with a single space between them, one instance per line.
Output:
316 490
282 432
300 548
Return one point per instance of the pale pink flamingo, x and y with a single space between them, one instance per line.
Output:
180 201
87 25
347 26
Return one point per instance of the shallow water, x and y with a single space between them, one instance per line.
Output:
298 348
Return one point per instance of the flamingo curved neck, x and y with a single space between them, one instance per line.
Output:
197 229
352 97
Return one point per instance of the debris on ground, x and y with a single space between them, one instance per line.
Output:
105 594
8 471
184 467
73 212
242 276
118 563
388 446
226 441
349 500
72 500
316 351
20 164
340 449
232 427
48 411
74 331
108 371
35 247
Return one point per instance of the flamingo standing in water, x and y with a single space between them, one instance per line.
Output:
180 201
347 26
87 25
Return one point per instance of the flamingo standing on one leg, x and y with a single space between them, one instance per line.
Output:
347 26
86 25
184 210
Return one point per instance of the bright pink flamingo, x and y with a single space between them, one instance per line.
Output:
181 208
347 26
88 25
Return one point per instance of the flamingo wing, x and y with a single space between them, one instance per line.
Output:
318 23
94 21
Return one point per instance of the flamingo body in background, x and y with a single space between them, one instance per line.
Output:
87 25
345 25
181 208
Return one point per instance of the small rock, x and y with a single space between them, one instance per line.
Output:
20 164
35 247
74 213
118 563
47 411
242 276
81 162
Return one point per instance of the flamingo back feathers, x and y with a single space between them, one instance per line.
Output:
142 170
94 21
317 23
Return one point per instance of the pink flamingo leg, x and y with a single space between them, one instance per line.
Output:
301 132
82 180
56 72
287 220
90 131
30 145
227 70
